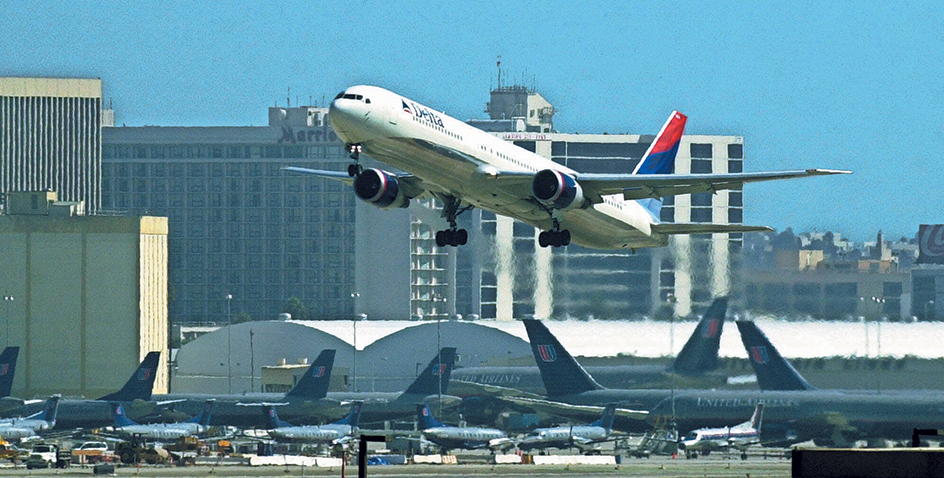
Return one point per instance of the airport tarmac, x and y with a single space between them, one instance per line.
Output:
656 467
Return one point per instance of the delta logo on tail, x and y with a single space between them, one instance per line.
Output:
144 374
547 353
759 354
711 329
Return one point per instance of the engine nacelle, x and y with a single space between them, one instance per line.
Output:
557 190
380 188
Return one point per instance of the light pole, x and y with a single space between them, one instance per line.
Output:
7 302
229 342
354 297
439 351
926 304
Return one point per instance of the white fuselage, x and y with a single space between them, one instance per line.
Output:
563 437
721 438
312 434
159 432
467 438
456 159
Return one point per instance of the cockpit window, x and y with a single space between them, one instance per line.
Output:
367 100
339 95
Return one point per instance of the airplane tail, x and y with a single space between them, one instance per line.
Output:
204 417
314 384
425 418
122 420
700 353
772 370
660 157
50 410
7 367
439 369
562 375
606 421
353 417
757 417
272 418
139 386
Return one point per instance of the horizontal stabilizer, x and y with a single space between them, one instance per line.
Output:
705 228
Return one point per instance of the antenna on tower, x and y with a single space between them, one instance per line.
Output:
499 72
288 97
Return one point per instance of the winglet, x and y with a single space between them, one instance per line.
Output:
561 373
700 353
141 383
314 383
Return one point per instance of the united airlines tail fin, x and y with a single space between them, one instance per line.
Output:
7 367
562 375
439 369
353 417
772 370
139 386
660 157
606 421
700 353
425 419
272 418
49 411
314 384
204 417
122 420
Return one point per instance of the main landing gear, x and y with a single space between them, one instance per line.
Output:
555 237
355 150
452 236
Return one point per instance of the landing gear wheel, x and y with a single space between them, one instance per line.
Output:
452 237
554 238
743 455
462 237
353 170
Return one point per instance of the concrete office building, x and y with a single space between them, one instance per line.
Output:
51 137
84 296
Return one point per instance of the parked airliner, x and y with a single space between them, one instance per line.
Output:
464 167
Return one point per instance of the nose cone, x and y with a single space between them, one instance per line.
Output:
342 115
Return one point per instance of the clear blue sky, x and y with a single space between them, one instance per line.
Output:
851 85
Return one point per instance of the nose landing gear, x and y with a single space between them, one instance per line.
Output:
355 150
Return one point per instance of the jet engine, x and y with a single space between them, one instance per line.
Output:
380 188
557 190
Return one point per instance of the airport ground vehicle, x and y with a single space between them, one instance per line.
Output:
48 455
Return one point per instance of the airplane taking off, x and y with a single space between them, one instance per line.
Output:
336 432
464 167
580 436
468 438
16 428
739 437
197 425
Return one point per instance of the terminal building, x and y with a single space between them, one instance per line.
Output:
242 228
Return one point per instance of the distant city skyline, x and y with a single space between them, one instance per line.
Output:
839 85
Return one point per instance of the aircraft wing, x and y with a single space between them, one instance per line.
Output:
704 228
584 412
412 185
464 389
642 186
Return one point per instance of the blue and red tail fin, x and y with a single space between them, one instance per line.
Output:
314 384
272 418
425 419
439 369
772 370
353 417
562 375
204 417
606 421
700 353
122 420
7 367
141 383
660 157
49 411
